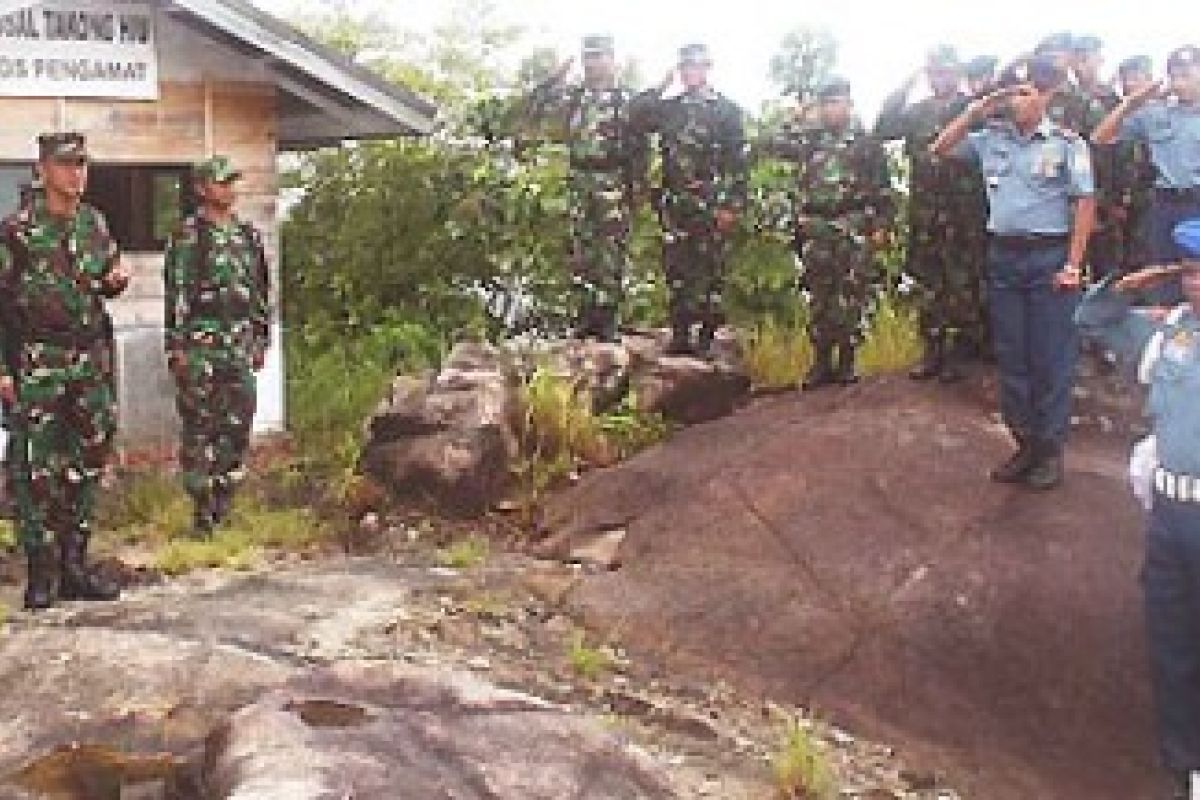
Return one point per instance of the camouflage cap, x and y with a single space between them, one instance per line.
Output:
943 56
1187 236
695 55
1040 70
1087 44
833 88
62 146
1061 42
1136 64
218 169
1183 57
982 66
598 45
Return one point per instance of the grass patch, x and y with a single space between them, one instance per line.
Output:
893 343
466 554
146 508
8 535
559 432
800 769
252 531
586 661
776 355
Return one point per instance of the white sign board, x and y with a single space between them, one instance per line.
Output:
78 48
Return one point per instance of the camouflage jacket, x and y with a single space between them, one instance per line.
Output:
53 280
595 126
839 173
1081 110
918 125
217 287
702 142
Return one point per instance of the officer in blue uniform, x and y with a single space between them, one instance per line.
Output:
1040 191
1166 350
1168 122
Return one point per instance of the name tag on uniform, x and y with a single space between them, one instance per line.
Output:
1049 162
1178 349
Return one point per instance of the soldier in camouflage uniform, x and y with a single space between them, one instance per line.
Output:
981 75
608 165
703 149
981 81
1133 176
217 334
57 265
946 219
1095 100
842 209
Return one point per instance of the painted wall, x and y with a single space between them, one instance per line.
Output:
212 100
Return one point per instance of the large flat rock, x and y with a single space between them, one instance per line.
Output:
845 549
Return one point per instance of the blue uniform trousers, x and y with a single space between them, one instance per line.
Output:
1034 336
1171 581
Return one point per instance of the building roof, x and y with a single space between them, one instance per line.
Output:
328 98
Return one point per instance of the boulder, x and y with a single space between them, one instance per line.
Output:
464 471
689 390
451 438
448 438
385 731
845 550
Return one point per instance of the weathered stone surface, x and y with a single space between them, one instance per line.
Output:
462 471
689 390
846 549
452 438
392 732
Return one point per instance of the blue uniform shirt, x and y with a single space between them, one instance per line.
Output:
1171 132
1167 355
1031 180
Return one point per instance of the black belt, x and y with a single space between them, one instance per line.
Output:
834 210
1177 195
1030 241
75 339
597 165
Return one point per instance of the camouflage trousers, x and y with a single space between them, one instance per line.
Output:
840 277
600 225
947 251
695 262
216 397
60 437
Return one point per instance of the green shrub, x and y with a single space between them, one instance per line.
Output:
801 771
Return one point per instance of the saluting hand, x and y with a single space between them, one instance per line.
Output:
667 80
1145 278
8 390
1145 94
991 101
564 68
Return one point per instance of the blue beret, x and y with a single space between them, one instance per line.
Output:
1187 236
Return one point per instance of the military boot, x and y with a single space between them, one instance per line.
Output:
954 356
222 504
821 372
847 372
606 325
78 581
1018 464
1047 470
681 340
708 334
39 587
931 362
202 516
